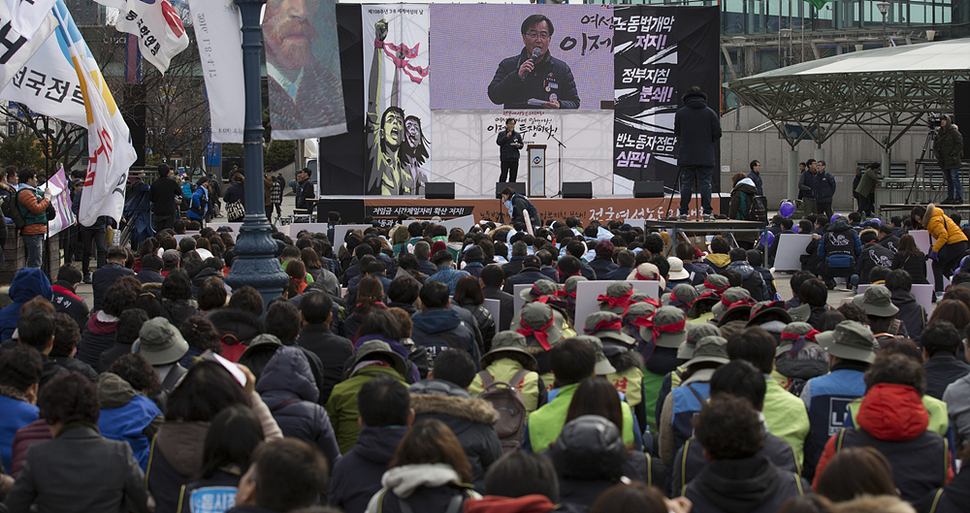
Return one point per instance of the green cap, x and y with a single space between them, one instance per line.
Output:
849 340
877 300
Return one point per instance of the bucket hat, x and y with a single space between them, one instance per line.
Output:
541 323
607 325
877 301
376 348
849 340
603 365
677 271
669 325
160 342
695 333
507 342
712 348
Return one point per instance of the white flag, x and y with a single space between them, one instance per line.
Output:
16 48
157 24
217 31
61 200
28 16
48 84
110 152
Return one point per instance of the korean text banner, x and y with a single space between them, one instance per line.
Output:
220 51
306 98
397 88
660 53
479 51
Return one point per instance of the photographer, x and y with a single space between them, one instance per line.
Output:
949 149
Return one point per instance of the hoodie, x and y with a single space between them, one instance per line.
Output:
28 283
426 487
717 261
469 418
742 197
911 313
127 416
839 245
440 329
751 280
697 127
97 337
747 485
357 476
288 388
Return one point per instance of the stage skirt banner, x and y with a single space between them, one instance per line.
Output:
306 98
397 84
659 53
480 48
220 50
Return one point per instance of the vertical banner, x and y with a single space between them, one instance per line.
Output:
219 37
398 89
61 200
306 98
659 53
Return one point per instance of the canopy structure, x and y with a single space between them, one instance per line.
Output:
893 88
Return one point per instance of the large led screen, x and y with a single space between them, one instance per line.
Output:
490 56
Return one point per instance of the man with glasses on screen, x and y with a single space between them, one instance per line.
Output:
534 78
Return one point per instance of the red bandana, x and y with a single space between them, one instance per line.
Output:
799 341
664 328
622 301
644 278
539 333
712 287
605 324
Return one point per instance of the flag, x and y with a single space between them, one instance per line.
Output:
110 152
27 17
48 84
61 200
15 47
219 38
157 24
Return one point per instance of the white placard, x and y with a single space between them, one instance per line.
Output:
587 293
494 307
295 228
922 240
464 222
922 292
518 302
340 232
790 247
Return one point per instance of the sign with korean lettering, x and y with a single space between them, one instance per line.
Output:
157 25
659 53
16 48
220 50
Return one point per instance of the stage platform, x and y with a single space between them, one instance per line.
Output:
603 209
888 210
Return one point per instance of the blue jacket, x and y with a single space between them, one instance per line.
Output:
196 209
686 406
824 187
827 398
697 127
449 276
28 283
357 476
840 244
127 423
14 414
431 327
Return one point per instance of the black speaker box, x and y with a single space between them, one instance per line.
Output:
581 190
961 112
351 210
648 189
518 186
440 190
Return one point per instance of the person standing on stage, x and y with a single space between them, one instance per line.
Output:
949 149
697 128
510 142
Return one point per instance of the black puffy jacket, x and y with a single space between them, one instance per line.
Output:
484 319
696 126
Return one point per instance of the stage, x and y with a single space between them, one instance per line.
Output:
603 209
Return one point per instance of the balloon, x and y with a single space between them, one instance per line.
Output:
794 228
876 220
767 238
834 217
786 209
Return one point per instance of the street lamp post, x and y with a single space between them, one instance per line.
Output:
255 264
884 10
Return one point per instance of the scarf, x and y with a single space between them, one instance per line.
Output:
799 341
541 334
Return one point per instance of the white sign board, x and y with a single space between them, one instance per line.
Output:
922 292
791 246
518 302
295 228
494 307
463 222
587 293
924 243
340 232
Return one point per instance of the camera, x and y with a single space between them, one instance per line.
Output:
933 121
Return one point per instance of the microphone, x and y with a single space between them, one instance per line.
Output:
536 52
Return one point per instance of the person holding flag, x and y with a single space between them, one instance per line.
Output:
33 204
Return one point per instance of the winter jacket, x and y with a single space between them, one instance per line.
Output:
893 420
333 351
716 261
65 300
747 485
873 255
824 187
690 461
698 271
751 280
811 361
826 398
503 369
604 266
425 487
106 277
527 276
469 418
941 228
33 207
127 416
786 418
357 476
546 423
449 276
521 206
214 494
432 326
15 413
304 194
79 471
342 405
941 370
498 504
911 313
235 192
949 146
840 245
742 198
242 326
508 150
149 276
176 311
28 283
806 182
551 76
483 319
913 264
287 387
97 337
697 128
73 364
506 306
957 398
867 182
26 437
756 178
951 499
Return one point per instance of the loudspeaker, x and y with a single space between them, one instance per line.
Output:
961 112
518 186
440 190
351 210
583 190
648 189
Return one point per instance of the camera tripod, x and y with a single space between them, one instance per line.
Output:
927 156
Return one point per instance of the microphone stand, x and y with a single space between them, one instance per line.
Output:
561 147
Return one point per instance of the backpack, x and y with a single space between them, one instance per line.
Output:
758 210
506 398
15 214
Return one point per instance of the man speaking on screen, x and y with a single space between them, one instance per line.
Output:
534 79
